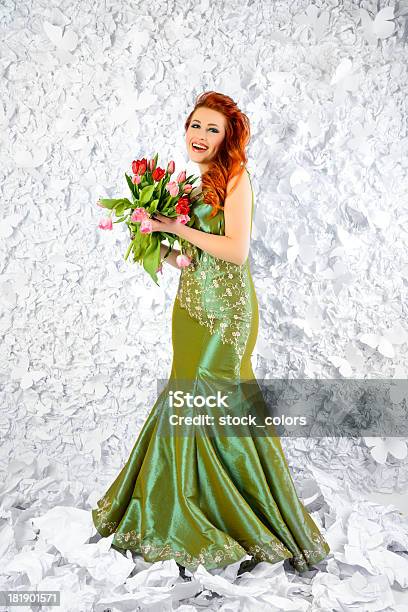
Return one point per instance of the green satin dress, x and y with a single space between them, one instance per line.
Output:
209 498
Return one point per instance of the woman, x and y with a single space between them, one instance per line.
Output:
200 498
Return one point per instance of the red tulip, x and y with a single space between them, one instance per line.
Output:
139 166
183 206
143 166
158 174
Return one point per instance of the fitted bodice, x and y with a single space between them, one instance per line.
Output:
200 211
216 292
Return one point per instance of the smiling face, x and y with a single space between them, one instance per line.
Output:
207 128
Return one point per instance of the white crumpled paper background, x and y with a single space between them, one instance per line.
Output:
87 88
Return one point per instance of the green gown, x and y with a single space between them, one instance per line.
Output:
203 497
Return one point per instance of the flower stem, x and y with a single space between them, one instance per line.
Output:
128 249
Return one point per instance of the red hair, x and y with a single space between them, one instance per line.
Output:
230 158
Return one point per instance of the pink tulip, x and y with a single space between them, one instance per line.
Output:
182 219
187 188
139 214
181 177
146 226
171 166
172 188
183 261
151 164
105 223
136 179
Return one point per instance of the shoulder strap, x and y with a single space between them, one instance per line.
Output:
252 208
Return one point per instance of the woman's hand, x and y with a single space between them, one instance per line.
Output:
161 223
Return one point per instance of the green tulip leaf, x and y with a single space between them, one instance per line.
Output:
146 194
151 259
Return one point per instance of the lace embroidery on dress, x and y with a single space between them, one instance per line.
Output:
101 514
271 551
216 293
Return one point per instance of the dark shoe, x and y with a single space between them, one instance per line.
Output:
247 566
182 572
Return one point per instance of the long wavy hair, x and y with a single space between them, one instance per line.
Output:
230 159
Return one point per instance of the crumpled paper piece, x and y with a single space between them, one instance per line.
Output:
266 587
368 593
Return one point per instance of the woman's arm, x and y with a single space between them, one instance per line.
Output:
170 259
234 246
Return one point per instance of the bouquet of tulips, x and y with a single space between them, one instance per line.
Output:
151 191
